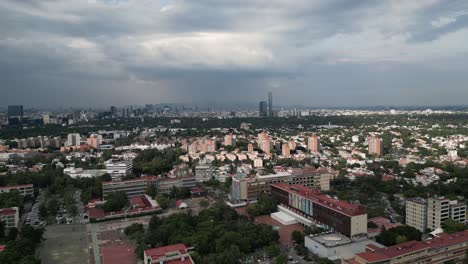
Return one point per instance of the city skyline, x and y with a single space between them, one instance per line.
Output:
325 53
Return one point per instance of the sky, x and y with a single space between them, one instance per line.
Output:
93 53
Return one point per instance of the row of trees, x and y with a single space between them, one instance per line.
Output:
153 161
23 249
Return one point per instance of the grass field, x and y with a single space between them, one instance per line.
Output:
64 245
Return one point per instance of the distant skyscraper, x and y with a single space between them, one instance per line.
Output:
113 110
263 109
375 146
270 104
15 114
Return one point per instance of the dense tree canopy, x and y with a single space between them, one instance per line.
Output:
218 234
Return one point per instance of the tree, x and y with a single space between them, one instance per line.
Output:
43 211
397 234
151 191
204 203
134 229
163 201
53 206
2 230
325 261
115 202
273 250
12 234
297 237
451 226
281 259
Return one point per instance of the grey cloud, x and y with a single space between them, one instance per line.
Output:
308 52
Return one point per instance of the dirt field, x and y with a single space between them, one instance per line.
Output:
108 239
64 245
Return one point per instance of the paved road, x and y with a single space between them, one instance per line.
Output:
97 256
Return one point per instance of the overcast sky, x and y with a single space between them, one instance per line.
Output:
318 53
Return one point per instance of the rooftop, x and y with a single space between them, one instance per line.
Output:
16 186
143 178
8 211
331 240
158 252
443 240
322 199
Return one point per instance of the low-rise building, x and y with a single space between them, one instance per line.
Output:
335 246
134 187
165 185
10 217
24 190
172 254
442 249
248 188
80 173
118 168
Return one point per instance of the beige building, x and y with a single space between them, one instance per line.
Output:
286 152
437 212
10 216
431 213
375 146
444 248
416 213
313 143
249 188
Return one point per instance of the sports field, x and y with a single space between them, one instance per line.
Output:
63 245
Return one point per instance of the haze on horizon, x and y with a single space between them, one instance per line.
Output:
318 53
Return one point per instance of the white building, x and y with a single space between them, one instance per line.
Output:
73 140
10 216
118 168
258 163
335 246
203 172
80 173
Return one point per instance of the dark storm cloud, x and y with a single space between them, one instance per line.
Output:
59 52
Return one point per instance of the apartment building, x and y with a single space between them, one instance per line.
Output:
416 213
430 213
375 146
313 143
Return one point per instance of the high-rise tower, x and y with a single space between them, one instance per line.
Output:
270 104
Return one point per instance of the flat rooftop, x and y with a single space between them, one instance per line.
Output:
317 197
331 240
